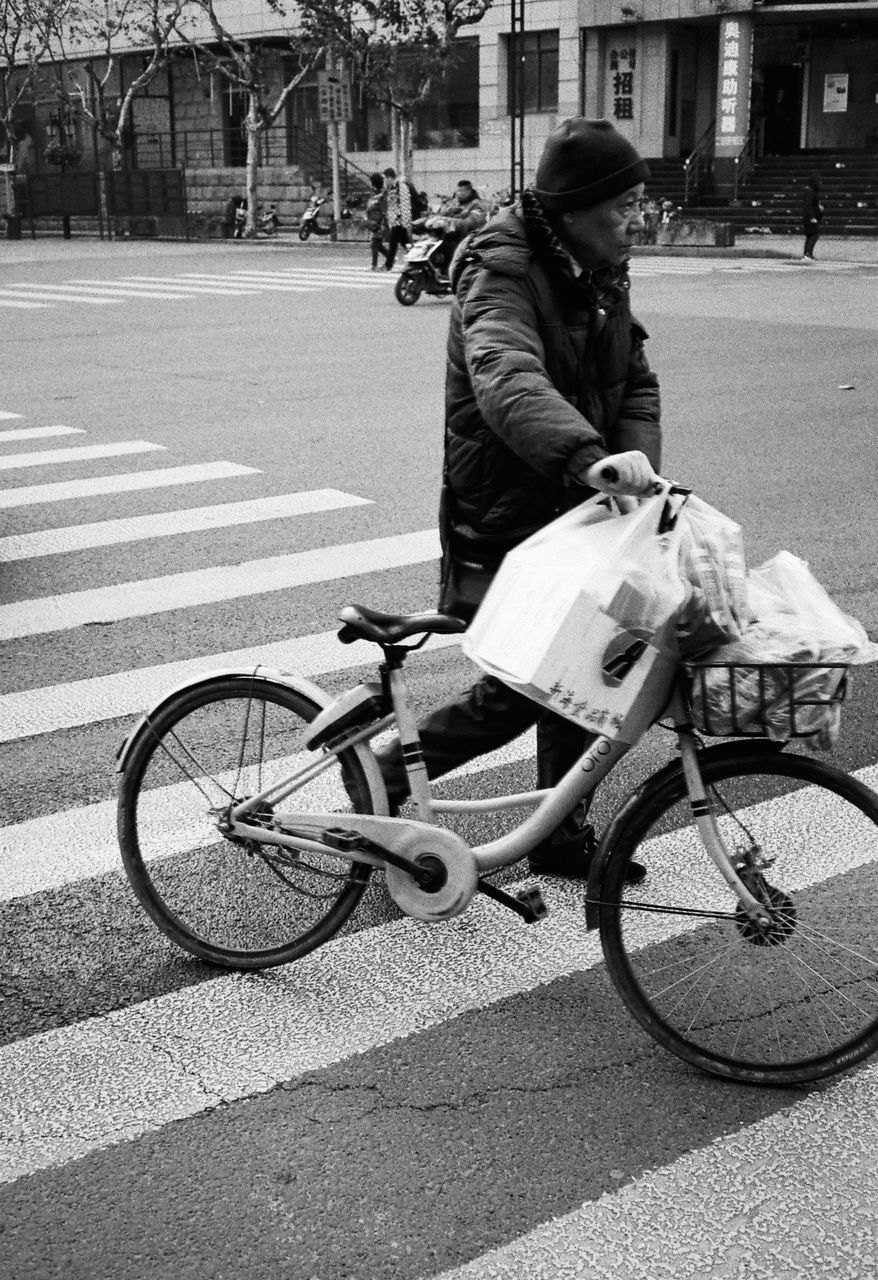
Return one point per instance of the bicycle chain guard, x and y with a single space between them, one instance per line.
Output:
454 870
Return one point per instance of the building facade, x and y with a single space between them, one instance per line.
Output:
675 76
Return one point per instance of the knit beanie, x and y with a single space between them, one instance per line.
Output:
585 162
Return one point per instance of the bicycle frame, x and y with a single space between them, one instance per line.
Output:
550 806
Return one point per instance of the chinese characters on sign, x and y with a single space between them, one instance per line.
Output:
622 65
731 57
333 98
578 708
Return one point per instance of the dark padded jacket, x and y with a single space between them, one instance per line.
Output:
546 374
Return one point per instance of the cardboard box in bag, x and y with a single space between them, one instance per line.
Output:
551 640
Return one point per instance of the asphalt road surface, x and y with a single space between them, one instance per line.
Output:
205 451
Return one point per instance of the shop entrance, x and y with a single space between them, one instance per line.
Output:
782 109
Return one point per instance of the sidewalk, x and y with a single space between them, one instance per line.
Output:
54 248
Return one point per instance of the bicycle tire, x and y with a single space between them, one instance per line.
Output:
786 1006
240 905
408 289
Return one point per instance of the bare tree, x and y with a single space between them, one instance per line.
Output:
97 34
27 31
397 49
241 62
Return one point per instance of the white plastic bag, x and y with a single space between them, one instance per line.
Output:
579 617
712 563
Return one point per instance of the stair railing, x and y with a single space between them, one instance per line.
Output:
697 163
747 157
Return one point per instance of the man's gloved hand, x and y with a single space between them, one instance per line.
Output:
627 473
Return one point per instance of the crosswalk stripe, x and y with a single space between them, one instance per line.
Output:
121 292
30 712
136 284
77 453
105 533
734 1191
325 281
127 482
21 305
4 413
258 283
38 433
53 293
81 1088
210 586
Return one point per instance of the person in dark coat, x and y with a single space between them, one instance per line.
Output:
812 216
547 382
376 222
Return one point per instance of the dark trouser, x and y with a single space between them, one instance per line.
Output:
377 245
812 235
487 716
398 236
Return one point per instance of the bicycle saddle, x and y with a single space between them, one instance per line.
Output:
362 623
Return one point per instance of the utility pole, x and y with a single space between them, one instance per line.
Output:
516 98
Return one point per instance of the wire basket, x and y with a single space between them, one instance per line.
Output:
765 700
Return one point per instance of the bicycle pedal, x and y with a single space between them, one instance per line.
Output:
341 839
534 905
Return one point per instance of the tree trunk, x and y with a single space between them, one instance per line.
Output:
252 170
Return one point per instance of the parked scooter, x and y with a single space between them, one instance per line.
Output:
311 225
268 222
425 269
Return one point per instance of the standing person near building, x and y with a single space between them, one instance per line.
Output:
547 384
376 222
812 215
401 207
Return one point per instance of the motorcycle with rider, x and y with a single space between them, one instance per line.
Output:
428 261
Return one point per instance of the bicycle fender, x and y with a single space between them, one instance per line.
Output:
669 775
266 675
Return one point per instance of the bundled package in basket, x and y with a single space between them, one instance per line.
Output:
782 675
712 564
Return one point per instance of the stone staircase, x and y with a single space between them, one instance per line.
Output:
771 197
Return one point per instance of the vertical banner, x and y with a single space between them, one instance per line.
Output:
623 66
835 92
733 84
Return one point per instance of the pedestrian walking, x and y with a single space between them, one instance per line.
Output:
376 221
547 382
401 207
812 215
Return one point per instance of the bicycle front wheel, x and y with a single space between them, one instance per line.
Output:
237 903
785 1003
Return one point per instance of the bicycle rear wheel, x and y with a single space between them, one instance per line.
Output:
236 903
787 1004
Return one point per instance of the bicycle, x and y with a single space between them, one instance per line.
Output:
757 962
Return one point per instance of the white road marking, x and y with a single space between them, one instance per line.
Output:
128 482
21 305
135 285
209 586
53 293
748 1205
260 285
4 413
324 280
199 282
85 1087
39 433
77 453
64 706
105 533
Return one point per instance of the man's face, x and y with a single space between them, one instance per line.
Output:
464 192
602 236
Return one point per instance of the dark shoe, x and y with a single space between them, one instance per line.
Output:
570 857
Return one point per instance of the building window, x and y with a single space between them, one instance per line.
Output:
450 116
533 72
